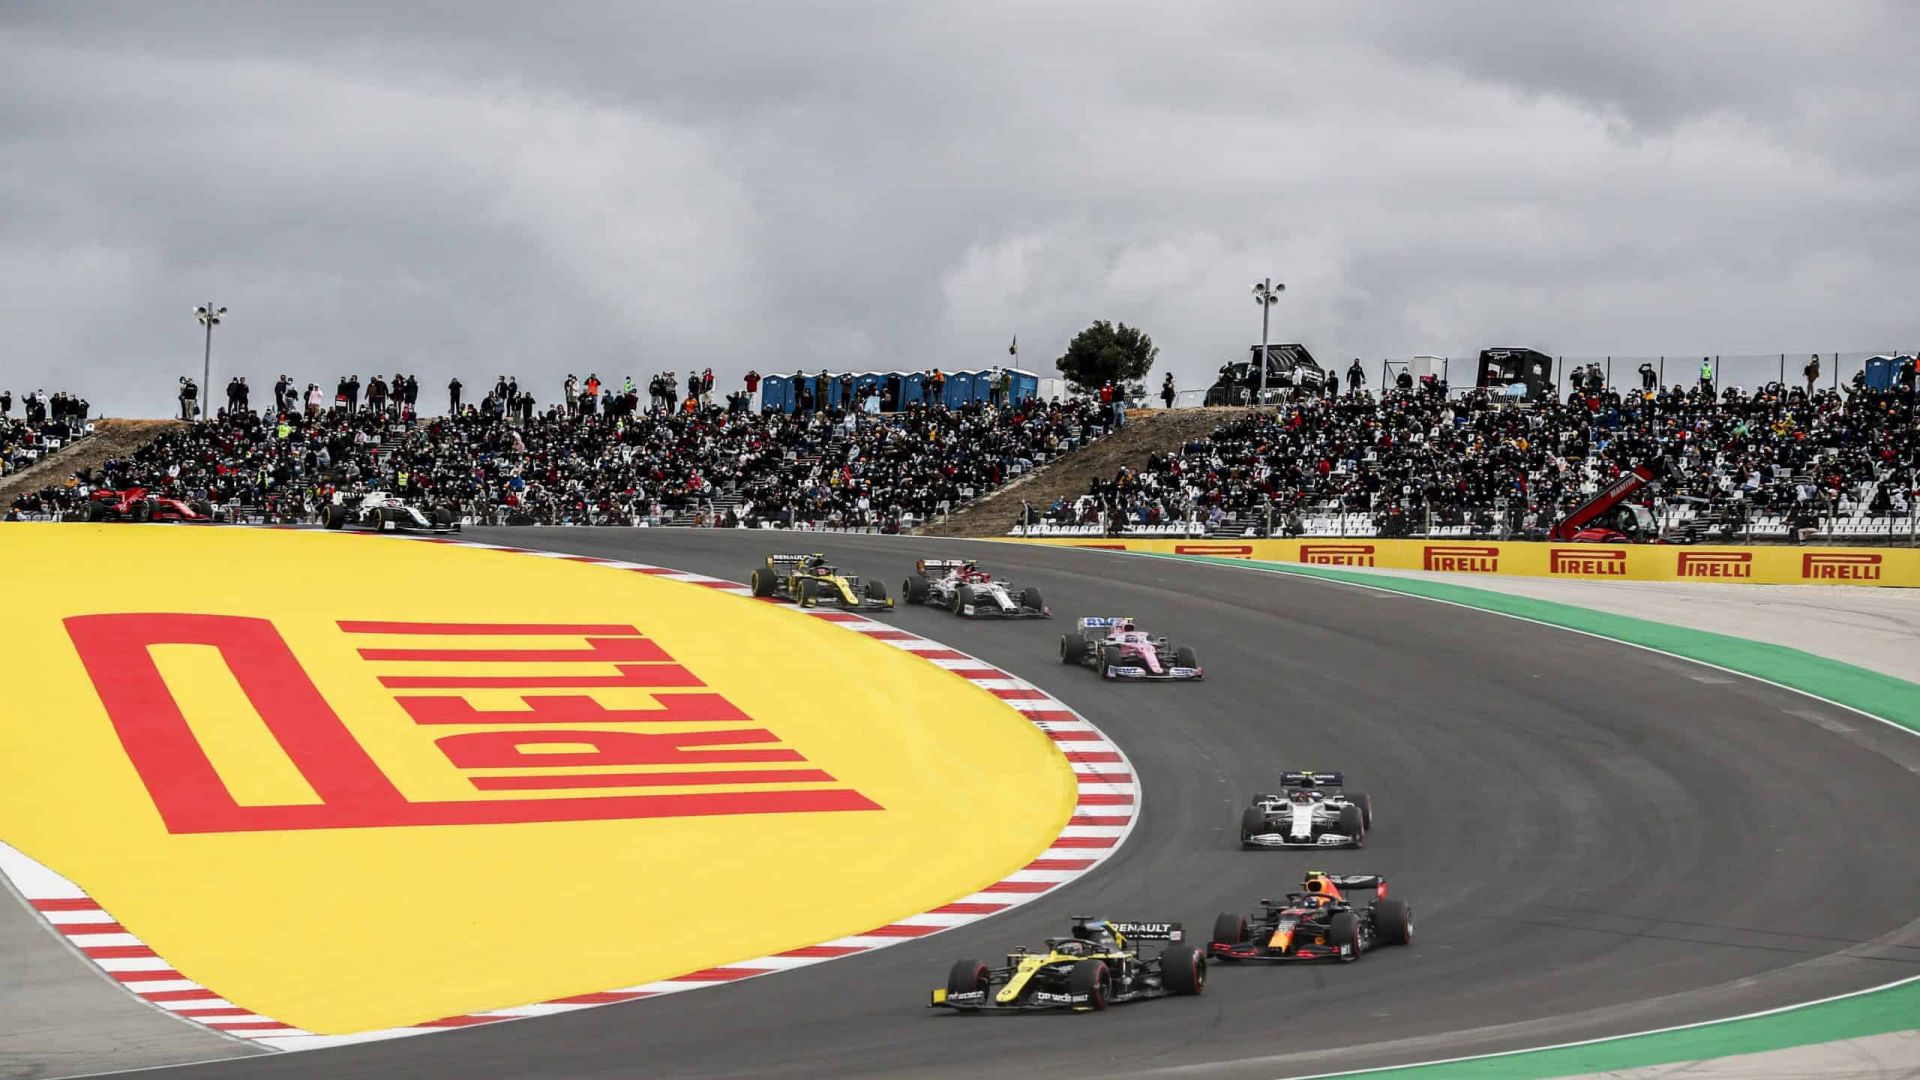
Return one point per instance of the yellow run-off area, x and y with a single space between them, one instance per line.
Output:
345 825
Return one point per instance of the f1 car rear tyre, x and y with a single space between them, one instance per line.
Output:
1183 657
875 592
1393 922
914 589
967 976
1365 803
1344 929
1253 821
1109 658
1091 977
1073 649
762 582
1183 970
1354 824
335 517
1229 929
1030 598
962 596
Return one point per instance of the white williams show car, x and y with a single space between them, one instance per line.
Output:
960 586
384 512
1312 811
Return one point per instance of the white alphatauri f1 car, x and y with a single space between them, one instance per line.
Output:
1312 810
383 511
960 586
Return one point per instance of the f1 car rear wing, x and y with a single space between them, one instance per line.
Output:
1104 622
1308 778
937 567
789 560
1136 931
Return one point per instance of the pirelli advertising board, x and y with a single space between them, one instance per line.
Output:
1781 565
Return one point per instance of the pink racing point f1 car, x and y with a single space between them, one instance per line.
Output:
1117 649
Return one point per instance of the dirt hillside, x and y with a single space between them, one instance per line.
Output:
1146 430
110 438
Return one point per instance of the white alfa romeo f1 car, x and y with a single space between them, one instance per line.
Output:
960 586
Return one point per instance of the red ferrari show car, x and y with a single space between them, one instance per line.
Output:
139 504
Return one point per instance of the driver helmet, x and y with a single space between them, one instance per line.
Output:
1125 627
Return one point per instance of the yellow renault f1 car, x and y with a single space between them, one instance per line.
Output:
810 581
1099 965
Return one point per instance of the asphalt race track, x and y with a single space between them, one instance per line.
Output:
1596 840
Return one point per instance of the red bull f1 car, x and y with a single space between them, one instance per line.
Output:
1117 649
810 581
139 504
1328 920
1098 965
960 586
1311 810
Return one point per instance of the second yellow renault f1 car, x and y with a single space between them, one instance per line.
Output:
1098 965
810 581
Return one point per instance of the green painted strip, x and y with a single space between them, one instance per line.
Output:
1873 1012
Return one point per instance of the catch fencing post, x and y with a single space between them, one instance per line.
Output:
1663 373
1783 370
1609 372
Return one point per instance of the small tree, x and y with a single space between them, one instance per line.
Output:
1105 353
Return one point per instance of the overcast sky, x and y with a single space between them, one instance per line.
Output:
485 188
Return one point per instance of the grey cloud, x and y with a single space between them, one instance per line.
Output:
484 188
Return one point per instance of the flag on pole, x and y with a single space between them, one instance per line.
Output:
1014 349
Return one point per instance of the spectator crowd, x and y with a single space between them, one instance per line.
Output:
1415 455
45 422
599 455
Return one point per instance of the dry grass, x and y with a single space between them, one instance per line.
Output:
110 439
1146 430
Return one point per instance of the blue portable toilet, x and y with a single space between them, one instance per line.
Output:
1026 384
1884 371
776 392
966 386
899 389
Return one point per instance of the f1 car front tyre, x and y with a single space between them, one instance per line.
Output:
875 592
99 512
914 589
763 582
203 509
809 593
962 596
1030 598
1183 970
1073 649
1393 922
967 977
1344 929
1092 978
334 517
1109 658
1183 657
1229 928
1253 821
1354 824
141 510
1365 803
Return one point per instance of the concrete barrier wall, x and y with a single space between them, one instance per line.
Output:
1592 562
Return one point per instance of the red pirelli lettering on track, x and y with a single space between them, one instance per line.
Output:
538 744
